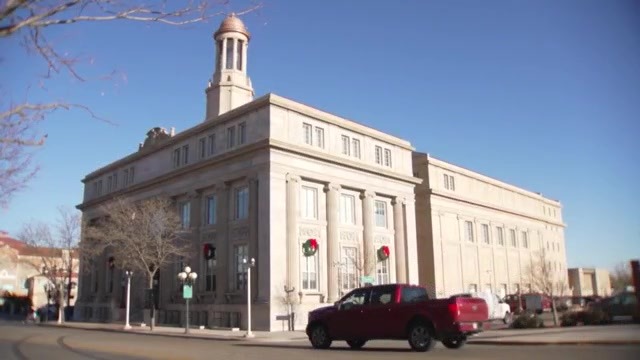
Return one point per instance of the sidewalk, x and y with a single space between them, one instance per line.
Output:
576 335
207 334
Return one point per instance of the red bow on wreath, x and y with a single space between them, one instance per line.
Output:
383 252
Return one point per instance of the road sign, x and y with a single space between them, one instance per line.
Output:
187 291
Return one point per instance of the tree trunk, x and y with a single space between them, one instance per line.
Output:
554 311
152 303
60 299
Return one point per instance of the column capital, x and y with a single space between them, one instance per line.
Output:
332 187
223 185
293 178
367 194
398 200
194 194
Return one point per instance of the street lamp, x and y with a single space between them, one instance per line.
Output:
249 265
292 317
187 278
128 274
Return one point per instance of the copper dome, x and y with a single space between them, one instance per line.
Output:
232 24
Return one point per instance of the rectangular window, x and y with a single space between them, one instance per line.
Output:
346 145
308 133
347 209
446 181
95 188
309 272
185 154
131 175
349 269
231 137
176 158
185 214
202 147
240 253
309 202
242 203
378 155
242 133
355 148
525 240
381 213
502 291
320 137
512 238
382 272
125 178
500 236
452 183
485 233
209 275
109 183
115 181
229 59
211 210
468 230
99 187
212 144
387 157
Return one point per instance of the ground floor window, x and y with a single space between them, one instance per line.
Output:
382 272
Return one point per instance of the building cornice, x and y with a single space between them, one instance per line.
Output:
265 144
454 197
430 160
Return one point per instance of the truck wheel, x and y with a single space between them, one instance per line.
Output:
454 343
356 344
508 317
320 337
420 337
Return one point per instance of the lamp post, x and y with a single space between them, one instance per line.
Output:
292 317
188 278
249 265
128 274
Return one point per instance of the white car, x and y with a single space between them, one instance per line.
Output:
498 309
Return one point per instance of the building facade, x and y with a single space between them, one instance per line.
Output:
477 233
317 200
589 282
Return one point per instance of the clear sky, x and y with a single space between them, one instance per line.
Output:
544 95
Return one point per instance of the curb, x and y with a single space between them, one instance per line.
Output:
541 343
174 335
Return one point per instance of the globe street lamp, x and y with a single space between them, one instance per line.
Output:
249 265
128 274
187 278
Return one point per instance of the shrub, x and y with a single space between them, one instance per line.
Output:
596 317
527 321
570 319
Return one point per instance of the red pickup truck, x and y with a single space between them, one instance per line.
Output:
398 312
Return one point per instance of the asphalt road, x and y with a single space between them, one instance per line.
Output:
18 341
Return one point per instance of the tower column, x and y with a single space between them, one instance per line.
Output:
223 59
244 56
234 59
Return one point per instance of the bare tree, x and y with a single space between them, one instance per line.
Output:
28 22
142 236
621 276
54 254
547 280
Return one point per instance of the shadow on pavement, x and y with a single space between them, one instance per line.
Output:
319 352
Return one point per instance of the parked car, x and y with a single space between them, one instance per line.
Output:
498 308
621 304
400 312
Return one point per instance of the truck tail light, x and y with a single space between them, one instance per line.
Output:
454 310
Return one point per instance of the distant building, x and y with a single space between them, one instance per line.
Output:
477 233
21 268
261 178
589 282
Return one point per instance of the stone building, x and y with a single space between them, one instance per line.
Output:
589 282
477 233
263 178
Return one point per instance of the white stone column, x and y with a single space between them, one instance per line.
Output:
223 59
293 257
253 231
222 242
333 240
244 56
369 263
400 241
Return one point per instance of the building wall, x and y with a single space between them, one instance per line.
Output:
589 281
451 262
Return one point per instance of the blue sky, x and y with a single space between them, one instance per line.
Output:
541 94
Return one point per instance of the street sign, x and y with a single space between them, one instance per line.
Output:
187 291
